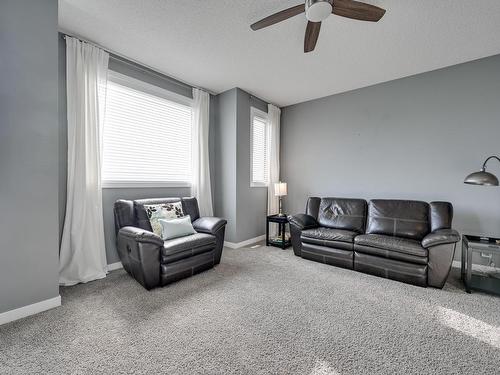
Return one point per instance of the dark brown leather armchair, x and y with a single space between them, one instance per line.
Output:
154 262
409 241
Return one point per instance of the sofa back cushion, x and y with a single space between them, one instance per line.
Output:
342 213
189 207
441 215
399 218
312 207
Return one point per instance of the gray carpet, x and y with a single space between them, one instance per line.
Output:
261 311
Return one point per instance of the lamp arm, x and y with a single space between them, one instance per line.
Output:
487 160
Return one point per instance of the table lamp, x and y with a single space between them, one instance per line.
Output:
280 190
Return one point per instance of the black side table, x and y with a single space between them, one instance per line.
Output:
282 221
487 248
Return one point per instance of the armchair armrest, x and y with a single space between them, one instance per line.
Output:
303 221
441 237
139 251
216 227
209 224
140 235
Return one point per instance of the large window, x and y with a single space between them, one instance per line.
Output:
147 135
259 148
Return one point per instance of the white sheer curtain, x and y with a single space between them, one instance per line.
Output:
201 188
83 256
273 115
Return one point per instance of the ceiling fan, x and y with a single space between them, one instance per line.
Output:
317 11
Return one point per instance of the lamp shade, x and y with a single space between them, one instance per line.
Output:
481 178
280 189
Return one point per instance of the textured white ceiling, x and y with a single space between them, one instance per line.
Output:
209 43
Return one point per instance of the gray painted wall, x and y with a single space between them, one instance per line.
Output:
109 196
225 161
413 138
244 206
28 153
251 205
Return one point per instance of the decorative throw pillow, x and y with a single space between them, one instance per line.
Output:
173 228
162 211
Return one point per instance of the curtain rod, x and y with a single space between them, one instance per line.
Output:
263 101
136 63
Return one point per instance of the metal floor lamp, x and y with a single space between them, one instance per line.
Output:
482 177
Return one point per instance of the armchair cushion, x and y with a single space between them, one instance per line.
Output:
185 247
303 221
157 212
185 243
141 216
209 224
441 237
124 214
174 228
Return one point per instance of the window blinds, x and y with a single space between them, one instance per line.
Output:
260 150
147 139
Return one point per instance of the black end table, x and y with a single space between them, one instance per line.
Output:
282 221
487 248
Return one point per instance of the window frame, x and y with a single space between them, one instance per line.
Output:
255 112
148 88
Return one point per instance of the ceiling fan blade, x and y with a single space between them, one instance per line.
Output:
312 34
278 17
357 10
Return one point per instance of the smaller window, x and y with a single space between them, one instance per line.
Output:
259 148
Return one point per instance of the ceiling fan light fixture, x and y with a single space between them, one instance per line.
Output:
318 10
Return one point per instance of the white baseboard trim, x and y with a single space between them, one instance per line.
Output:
237 245
35 308
115 266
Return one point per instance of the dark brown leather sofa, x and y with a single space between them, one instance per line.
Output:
409 241
154 262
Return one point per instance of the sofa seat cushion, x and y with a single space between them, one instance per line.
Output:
390 243
328 234
185 247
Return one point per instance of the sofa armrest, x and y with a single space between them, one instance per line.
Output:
140 235
209 224
303 221
298 223
441 237
139 252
